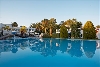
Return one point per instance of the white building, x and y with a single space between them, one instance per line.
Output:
57 30
3 25
98 44
17 29
98 33
5 31
81 33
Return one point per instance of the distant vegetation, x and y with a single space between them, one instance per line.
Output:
49 26
14 24
89 31
63 32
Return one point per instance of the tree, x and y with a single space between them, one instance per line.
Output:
73 30
6 27
52 24
45 24
23 28
57 26
75 27
70 25
14 24
98 26
89 31
68 22
39 27
33 25
79 26
63 32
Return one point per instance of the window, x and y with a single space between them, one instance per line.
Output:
29 29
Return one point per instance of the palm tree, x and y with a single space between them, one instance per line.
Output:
6 27
39 26
33 25
23 29
14 24
45 24
52 25
68 22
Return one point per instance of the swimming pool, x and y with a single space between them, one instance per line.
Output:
32 52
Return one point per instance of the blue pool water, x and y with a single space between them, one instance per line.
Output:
49 53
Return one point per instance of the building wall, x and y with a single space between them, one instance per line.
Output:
5 32
98 33
57 30
3 25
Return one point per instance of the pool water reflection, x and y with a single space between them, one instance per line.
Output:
49 53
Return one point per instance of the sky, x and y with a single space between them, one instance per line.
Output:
25 12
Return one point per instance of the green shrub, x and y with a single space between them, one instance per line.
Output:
63 32
56 35
46 36
89 31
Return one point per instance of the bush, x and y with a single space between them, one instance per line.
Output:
89 31
63 32
46 36
56 35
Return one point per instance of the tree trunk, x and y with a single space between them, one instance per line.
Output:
50 31
45 30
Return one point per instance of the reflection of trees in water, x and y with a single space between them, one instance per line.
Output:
48 51
23 45
37 46
6 48
75 49
63 45
89 48
0 54
0 50
49 47
14 49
